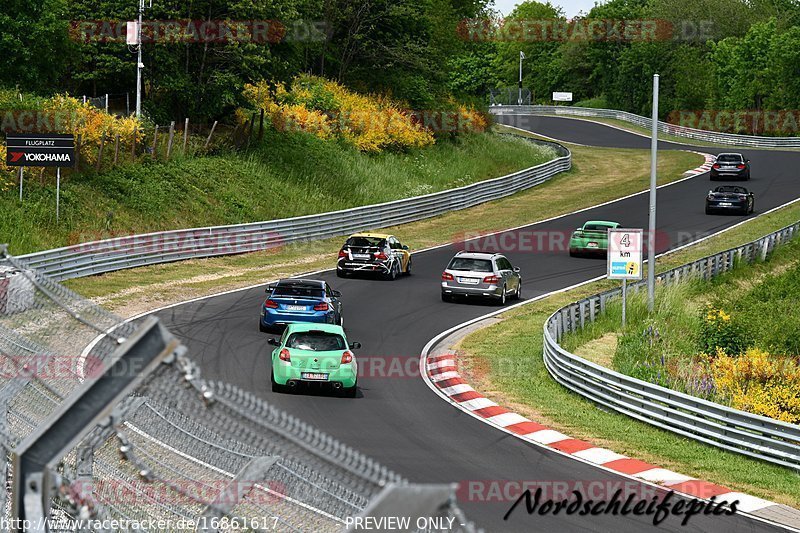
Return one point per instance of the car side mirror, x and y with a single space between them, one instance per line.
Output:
336 293
355 345
273 341
405 247
516 270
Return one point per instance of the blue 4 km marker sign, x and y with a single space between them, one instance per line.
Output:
625 253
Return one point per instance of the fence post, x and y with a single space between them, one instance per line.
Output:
210 134
261 126
116 149
100 152
171 136
155 139
185 134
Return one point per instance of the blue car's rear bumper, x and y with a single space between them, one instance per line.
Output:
273 317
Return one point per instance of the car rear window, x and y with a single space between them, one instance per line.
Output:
729 158
361 242
299 292
316 341
475 265
595 227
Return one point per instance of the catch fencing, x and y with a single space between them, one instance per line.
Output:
178 449
702 420
162 247
753 141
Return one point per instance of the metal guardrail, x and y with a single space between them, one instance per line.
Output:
702 420
162 247
754 141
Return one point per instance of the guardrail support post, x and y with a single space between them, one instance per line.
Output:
38 454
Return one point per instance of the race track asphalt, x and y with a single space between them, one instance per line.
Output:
396 418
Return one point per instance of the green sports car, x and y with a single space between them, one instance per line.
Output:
314 353
591 238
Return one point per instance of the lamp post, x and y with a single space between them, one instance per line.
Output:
651 236
521 57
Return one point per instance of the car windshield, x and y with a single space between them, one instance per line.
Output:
729 188
729 158
475 265
596 227
316 341
361 242
299 292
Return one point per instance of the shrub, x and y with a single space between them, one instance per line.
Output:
718 331
759 383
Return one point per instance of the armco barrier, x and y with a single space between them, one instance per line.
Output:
162 247
753 141
708 422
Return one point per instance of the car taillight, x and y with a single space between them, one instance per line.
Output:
446 276
284 355
271 304
715 165
491 279
321 307
342 253
740 167
347 357
382 256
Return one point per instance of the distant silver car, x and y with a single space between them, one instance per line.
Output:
481 275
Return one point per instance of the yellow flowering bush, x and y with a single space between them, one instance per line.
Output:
759 383
719 332
326 109
73 116
7 178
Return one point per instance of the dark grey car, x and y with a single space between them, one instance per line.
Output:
730 166
475 274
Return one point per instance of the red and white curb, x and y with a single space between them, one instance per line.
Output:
442 371
705 167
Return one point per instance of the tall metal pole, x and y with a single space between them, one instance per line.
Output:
20 182
624 301
519 97
651 235
58 192
139 64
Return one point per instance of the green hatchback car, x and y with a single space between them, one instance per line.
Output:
314 354
591 238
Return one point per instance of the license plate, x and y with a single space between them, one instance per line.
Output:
361 256
725 204
295 307
728 168
315 376
592 245
468 281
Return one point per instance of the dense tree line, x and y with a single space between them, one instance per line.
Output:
717 54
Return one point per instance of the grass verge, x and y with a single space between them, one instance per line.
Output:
504 361
598 175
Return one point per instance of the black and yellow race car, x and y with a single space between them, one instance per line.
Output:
373 253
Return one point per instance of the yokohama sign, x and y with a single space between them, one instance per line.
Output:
40 150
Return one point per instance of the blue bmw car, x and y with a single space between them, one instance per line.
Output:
300 300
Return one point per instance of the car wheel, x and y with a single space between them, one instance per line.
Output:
408 268
752 207
573 253
518 294
502 298
340 273
392 274
708 211
262 328
447 297
350 392
275 386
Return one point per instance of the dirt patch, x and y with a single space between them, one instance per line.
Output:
600 351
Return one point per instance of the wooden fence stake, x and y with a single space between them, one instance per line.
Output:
210 134
261 126
185 134
116 149
155 138
100 153
171 136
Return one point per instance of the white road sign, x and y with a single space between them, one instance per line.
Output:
562 97
625 253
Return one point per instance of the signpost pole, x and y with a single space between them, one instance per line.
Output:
651 234
624 299
20 183
58 191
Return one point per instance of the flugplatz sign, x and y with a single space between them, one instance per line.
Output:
40 150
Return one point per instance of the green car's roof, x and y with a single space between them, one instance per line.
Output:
602 223
301 327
